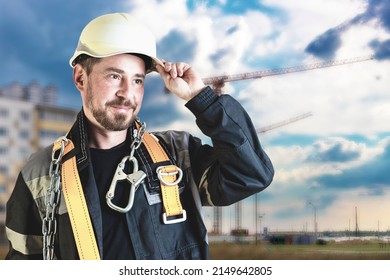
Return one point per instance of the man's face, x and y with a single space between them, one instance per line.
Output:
114 91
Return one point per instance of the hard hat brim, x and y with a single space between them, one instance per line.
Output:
155 60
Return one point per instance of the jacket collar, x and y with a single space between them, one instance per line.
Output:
79 136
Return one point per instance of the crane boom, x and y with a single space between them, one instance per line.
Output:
219 81
283 123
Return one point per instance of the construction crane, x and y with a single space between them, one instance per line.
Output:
283 123
238 206
218 82
217 211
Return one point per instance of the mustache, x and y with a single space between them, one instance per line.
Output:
121 102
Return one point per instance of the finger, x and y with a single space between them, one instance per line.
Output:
162 72
173 70
167 66
159 68
181 68
164 75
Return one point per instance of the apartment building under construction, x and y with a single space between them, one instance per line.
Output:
30 119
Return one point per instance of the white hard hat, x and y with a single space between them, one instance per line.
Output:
113 34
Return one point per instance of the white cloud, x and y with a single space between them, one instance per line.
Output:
209 27
307 19
296 166
344 99
355 40
160 16
351 99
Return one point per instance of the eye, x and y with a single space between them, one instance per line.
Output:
139 81
115 76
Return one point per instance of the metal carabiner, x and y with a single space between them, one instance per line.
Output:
134 179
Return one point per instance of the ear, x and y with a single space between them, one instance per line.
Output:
79 77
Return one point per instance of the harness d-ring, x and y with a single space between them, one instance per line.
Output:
169 170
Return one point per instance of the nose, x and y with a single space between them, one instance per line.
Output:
126 91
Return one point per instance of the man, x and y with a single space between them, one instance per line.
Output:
128 193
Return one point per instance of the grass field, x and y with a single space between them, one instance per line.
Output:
356 250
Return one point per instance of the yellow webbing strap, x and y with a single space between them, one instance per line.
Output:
169 185
77 206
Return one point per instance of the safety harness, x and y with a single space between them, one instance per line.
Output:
65 171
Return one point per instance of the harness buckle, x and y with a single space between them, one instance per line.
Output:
170 176
175 219
134 180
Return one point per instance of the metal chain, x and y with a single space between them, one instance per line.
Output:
138 136
53 194
52 200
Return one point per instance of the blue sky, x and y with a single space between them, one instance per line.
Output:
338 158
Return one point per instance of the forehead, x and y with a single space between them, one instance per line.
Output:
127 63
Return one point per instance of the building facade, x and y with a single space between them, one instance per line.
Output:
29 121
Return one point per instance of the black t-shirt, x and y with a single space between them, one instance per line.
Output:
116 239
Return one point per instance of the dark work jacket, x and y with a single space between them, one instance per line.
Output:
231 169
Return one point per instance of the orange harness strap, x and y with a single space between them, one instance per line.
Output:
169 176
77 206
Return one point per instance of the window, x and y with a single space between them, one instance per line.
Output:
3 150
50 134
3 169
3 131
24 134
25 116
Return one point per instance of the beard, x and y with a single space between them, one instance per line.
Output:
112 122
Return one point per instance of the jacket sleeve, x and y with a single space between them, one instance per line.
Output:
23 224
235 166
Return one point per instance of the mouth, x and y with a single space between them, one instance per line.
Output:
121 108
124 106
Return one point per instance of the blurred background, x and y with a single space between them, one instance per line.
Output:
312 74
